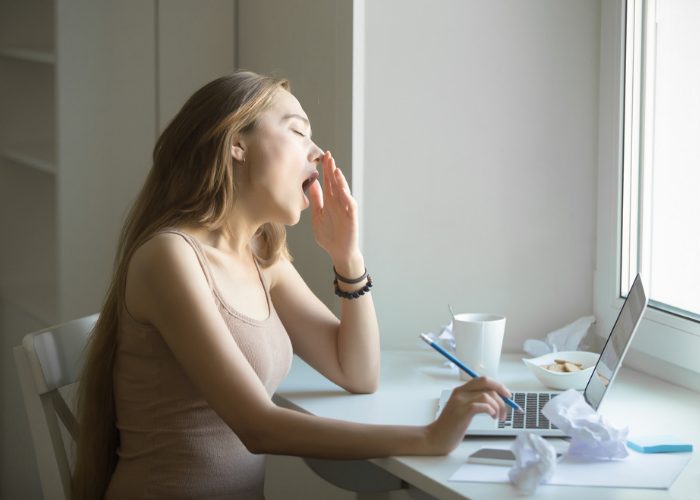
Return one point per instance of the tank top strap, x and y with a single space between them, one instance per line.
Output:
263 281
199 252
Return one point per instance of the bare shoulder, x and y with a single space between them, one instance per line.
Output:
163 251
279 272
163 261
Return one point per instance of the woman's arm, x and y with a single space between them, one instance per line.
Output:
345 351
311 436
167 286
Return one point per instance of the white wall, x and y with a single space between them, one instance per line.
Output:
480 162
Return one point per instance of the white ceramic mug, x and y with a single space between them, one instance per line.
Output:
479 339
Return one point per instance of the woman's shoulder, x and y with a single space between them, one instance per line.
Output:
162 257
162 246
165 261
277 271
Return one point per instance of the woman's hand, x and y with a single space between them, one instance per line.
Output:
334 214
480 395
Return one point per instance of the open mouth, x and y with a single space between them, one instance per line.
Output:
310 180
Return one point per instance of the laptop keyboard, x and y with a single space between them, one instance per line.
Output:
532 403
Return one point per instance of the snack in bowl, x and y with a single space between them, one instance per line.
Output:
564 369
562 365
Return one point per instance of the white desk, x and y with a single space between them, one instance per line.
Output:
411 382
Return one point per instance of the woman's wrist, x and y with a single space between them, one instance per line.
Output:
351 267
351 279
422 443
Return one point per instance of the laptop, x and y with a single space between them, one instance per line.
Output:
601 379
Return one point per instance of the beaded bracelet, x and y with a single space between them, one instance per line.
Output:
357 293
349 281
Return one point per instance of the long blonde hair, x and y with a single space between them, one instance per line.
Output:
192 181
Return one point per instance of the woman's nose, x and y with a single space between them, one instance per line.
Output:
315 154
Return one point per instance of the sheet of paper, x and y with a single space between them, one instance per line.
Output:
638 470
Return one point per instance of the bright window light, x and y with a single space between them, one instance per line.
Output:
661 175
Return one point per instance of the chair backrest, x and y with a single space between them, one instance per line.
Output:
47 361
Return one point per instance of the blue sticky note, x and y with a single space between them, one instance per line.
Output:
659 444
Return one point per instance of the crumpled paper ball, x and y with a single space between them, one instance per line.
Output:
592 436
535 461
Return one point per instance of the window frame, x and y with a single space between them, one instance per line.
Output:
662 335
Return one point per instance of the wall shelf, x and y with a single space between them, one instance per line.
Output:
40 158
28 159
36 301
30 55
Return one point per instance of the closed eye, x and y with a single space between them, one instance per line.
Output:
299 133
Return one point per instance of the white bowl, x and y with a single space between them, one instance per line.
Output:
563 380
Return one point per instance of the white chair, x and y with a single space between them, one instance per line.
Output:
47 361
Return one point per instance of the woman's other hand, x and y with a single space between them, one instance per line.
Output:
334 213
479 395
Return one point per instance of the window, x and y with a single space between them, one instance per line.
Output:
661 154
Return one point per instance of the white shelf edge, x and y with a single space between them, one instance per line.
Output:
40 56
29 160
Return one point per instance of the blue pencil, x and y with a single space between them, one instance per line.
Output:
465 368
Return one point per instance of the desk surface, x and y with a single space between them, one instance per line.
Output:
411 381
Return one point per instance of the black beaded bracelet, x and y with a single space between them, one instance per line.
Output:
349 281
357 293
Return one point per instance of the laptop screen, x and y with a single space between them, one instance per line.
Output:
616 346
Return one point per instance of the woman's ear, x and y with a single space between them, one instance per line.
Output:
238 151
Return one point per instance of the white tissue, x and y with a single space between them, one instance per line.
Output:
566 338
592 437
444 339
535 461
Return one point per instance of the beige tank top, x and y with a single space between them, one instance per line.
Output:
172 443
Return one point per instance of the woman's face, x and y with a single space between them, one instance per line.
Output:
280 162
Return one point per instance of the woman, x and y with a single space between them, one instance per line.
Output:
205 310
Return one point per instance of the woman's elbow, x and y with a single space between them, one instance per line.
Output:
260 442
368 385
363 390
257 436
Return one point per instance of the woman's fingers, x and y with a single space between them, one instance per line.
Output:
342 181
468 404
465 402
497 402
327 174
479 407
334 176
345 199
486 384
335 186
487 391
